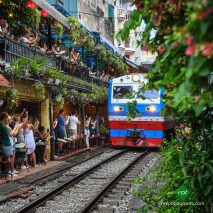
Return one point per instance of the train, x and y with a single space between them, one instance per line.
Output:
149 127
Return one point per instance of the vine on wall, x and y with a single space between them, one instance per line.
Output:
41 66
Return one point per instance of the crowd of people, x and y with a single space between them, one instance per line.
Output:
66 127
38 41
21 132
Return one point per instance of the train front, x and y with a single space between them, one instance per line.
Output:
146 130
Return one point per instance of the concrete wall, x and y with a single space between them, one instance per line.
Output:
95 20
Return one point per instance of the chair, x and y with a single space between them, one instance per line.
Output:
21 157
4 165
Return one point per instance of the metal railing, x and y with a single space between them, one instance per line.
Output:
14 50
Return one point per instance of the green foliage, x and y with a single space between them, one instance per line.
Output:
103 130
80 36
40 91
58 29
12 99
184 45
41 65
36 64
110 59
12 12
18 66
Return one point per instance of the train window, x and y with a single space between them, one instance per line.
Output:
151 94
120 92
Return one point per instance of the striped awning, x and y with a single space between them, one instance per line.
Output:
4 82
52 11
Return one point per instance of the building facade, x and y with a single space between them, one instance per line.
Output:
96 15
139 55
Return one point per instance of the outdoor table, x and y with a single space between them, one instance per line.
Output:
21 155
39 151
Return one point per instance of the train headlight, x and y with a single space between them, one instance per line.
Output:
150 108
136 78
118 109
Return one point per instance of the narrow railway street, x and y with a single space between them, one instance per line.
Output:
106 106
80 187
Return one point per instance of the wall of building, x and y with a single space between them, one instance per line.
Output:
130 48
94 15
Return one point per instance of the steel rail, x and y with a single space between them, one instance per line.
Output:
42 199
94 201
61 171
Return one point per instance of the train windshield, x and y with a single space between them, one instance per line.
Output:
150 94
120 92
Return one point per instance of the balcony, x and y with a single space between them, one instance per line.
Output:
127 15
129 48
14 50
121 14
121 46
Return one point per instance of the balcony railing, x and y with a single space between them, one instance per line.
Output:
121 14
129 47
14 50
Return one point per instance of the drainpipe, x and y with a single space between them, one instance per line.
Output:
52 142
83 119
83 56
97 118
49 34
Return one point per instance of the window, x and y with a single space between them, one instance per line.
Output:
150 94
120 92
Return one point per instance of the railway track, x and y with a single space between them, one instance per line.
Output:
82 192
52 179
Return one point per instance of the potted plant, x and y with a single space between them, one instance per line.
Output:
40 91
103 132
12 99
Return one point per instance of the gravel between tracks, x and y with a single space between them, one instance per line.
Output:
123 206
77 196
11 206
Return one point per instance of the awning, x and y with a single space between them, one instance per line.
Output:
4 82
131 63
107 43
53 12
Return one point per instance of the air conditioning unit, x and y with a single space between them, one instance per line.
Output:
121 14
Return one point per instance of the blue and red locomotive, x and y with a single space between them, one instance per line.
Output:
149 128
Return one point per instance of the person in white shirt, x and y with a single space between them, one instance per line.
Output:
73 125
26 37
4 27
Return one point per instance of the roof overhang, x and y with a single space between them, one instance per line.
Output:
4 82
53 12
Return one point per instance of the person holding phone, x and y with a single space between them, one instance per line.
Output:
26 37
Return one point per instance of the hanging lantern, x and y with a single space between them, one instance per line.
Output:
31 4
44 13
55 21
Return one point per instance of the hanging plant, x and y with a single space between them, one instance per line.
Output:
40 91
58 30
12 99
18 66
90 44
38 18
59 102
63 91
37 64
